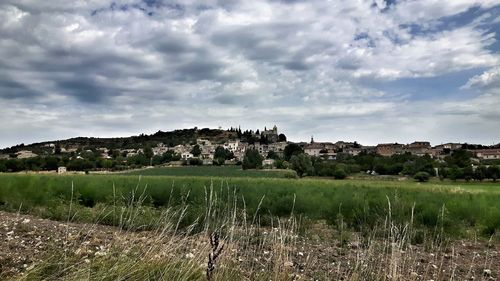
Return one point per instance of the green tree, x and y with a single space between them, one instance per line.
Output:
339 173
51 163
221 154
302 164
493 172
292 149
272 155
148 152
252 159
281 138
196 151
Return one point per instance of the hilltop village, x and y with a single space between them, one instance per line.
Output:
267 148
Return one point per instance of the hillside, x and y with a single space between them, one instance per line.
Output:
170 138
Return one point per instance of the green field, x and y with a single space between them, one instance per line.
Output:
213 171
456 208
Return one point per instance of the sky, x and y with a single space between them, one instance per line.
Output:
373 71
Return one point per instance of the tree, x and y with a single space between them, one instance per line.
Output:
302 164
339 174
148 152
57 149
281 138
480 173
221 154
51 163
3 168
196 151
493 172
252 159
272 155
421 176
292 149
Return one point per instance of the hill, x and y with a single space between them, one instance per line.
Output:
170 138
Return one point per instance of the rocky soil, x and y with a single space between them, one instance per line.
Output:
26 241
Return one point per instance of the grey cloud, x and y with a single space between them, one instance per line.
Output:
86 90
252 61
10 89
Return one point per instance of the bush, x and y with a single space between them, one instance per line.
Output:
339 174
421 176
195 162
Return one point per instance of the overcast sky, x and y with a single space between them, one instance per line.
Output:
371 71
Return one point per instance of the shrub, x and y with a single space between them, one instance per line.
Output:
421 176
339 174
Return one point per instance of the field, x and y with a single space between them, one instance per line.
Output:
457 207
358 223
213 171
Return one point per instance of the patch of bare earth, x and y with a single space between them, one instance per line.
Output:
26 241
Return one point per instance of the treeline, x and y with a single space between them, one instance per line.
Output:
457 165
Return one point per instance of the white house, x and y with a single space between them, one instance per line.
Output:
186 155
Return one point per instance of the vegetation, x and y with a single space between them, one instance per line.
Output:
228 171
456 209
252 159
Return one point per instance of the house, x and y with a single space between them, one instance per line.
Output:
449 146
61 170
268 162
232 145
419 148
186 155
313 148
389 149
487 154
159 149
353 151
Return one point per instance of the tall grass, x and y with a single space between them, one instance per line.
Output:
467 209
245 249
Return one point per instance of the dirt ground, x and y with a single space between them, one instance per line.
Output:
25 241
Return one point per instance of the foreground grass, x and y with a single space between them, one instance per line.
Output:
458 209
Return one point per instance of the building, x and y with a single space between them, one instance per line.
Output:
268 162
353 151
488 154
419 148
271 135
389 149
449 146
313 148
186 155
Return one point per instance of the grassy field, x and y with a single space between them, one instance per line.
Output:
213 171
455 208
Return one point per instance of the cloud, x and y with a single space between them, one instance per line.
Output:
488 79
131 66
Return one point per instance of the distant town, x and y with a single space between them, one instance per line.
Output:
220 147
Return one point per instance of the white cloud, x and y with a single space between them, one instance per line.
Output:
488 79
132 67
